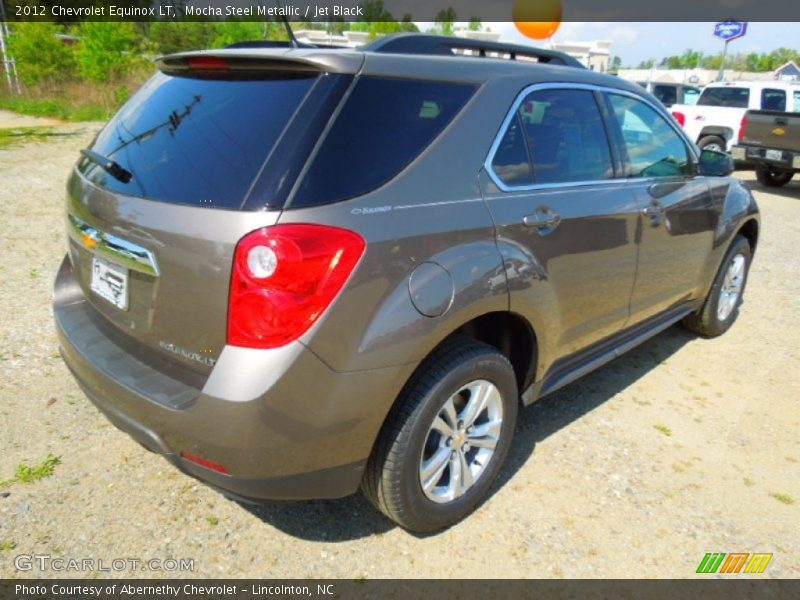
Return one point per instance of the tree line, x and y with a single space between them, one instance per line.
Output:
50 53
758 62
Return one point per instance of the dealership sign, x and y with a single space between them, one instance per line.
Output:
730 30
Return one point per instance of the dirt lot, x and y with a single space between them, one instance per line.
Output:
681 447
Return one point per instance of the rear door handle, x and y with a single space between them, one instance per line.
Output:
654 209
542 220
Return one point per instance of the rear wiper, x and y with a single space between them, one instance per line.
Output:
109 166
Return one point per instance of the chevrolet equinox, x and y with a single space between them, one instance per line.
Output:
295 272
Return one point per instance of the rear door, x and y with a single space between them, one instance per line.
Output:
565 225
676 229
153 251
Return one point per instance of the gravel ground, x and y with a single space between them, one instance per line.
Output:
681 447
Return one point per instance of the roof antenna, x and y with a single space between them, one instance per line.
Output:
292 40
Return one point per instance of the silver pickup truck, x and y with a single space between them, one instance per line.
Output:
771 141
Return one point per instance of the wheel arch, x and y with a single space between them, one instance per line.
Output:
726 133
749 229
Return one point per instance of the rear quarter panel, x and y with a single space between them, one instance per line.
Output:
433 211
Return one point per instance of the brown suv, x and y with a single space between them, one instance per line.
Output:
294 272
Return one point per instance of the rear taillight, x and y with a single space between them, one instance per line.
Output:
742 127
284 277
680 118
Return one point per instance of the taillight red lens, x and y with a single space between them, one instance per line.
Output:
680 118
284 277
742 127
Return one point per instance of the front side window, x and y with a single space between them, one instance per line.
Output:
797 101
565 136
654 148
773 100
666 94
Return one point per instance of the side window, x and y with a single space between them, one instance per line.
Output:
510 162
384 125
654 148
565 136
690 95
666 94
773 100
797 101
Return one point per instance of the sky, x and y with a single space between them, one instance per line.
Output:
635 42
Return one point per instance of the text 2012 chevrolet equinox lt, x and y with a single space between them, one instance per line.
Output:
294 272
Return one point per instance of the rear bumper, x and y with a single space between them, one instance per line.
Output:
283 424
788 160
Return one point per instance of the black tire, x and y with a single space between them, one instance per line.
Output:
712 140
706 321
770 178
392 477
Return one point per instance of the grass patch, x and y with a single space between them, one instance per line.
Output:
60 108
783 498
31 474
212 520
7 545
663 429
18 134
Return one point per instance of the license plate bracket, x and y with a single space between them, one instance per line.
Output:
110 282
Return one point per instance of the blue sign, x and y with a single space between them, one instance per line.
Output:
730 30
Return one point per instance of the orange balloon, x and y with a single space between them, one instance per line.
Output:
538 30
537 19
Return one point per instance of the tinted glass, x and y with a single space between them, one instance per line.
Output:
666 94
196 141
734 97
654 148
566 137
511 163
690 95
797 101
773 100
384 125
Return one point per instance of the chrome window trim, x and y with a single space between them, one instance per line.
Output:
112 247
487 164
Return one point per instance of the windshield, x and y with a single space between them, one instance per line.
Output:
196 141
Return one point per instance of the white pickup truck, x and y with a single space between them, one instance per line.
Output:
715 120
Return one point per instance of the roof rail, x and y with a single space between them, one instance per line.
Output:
441 45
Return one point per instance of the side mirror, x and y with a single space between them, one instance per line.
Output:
715 164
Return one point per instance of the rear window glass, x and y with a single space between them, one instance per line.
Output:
511 162
383 126
196 141
732 97
566 137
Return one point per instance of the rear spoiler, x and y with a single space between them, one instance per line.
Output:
243 61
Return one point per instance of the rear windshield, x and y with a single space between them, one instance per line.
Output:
383 126
732 97
196 141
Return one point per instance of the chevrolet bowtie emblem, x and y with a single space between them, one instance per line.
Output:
778 131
